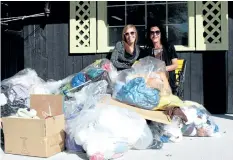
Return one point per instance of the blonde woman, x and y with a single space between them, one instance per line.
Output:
126 52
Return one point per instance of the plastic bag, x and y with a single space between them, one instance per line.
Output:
84 99
145 140
71 111
106 65
16 89
102 129
99 70
26 77
17 97
200 122
136 93
157 132
173 131
149 64
143 84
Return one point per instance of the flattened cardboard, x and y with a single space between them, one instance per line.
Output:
157 116
41 104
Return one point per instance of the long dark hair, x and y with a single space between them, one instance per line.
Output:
164 41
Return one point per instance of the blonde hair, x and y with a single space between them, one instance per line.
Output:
125 29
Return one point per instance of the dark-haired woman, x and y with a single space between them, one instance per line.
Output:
158 47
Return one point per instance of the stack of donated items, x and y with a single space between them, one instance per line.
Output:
95 111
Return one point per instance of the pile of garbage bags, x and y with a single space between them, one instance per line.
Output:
106 131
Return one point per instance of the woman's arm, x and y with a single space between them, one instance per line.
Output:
173 66
114 57
172 53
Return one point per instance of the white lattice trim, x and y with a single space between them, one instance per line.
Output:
82 27
211 25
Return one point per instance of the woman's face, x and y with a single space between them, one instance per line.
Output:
155 34
130 35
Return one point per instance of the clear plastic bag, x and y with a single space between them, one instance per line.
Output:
104 64
106 130
145 140
26 77
149 65
136 93
143 84
84 99
16 89
71 111
200 122
173 131
99 70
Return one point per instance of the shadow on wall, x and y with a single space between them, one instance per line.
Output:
12 53
214 81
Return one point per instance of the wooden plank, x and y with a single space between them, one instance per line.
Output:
44 55
77 63
28 43
68 60
33 46
27 55
4 47
230 82
50 50
89 59
20 52
11 58
229 57
187 91
40 51
58 52
196 82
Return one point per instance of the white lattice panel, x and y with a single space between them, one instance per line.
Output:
211 25
82 27
212 21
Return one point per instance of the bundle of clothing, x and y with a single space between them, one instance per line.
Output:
143 85
191 119
99 70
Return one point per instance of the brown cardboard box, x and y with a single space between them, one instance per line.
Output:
157 116
37 137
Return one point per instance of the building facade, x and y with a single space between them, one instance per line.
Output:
78 33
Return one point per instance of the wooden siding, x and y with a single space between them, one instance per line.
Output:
46 50
229 63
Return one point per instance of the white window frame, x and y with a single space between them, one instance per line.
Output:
102 29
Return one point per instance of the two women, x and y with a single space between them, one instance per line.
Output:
126 52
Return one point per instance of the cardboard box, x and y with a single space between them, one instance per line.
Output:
157 116
37 137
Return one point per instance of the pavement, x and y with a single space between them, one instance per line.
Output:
198 148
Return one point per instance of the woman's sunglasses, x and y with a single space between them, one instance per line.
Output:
155 32
127 33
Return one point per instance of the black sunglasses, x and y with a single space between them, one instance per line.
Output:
131 33
155 32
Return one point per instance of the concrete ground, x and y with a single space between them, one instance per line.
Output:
189 149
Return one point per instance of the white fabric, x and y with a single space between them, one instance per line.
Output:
3 99
96 129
